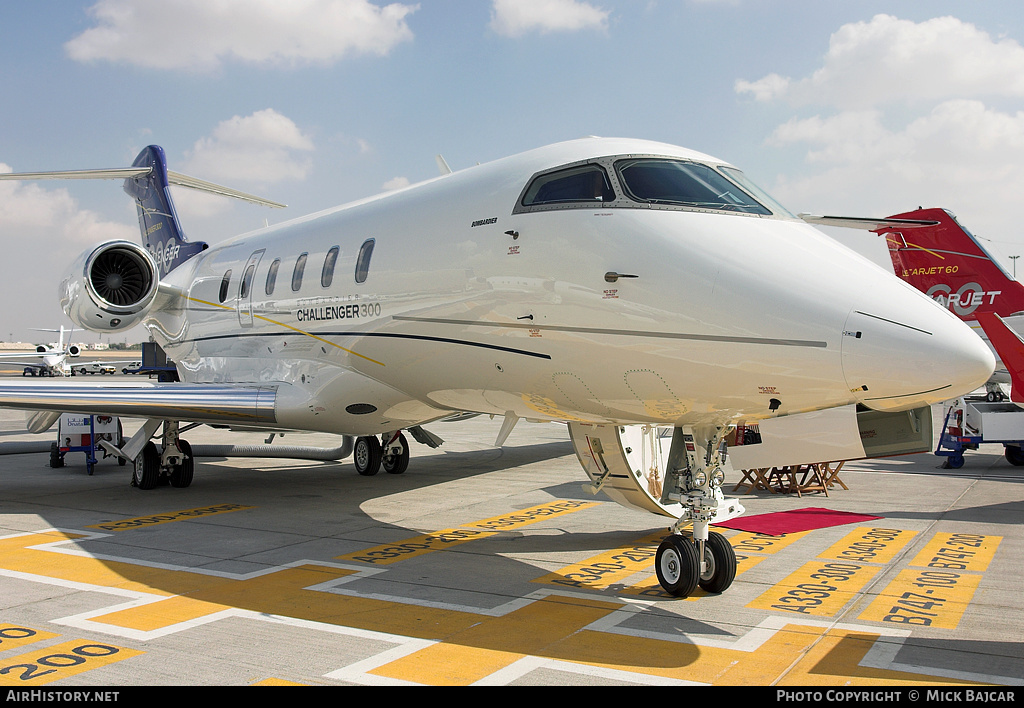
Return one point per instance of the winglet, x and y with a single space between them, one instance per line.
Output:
1010 348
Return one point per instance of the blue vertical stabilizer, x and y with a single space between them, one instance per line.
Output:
147 181
161 231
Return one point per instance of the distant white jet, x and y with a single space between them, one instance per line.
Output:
48 359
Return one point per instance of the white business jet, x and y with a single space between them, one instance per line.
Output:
612 284
48 359
59 358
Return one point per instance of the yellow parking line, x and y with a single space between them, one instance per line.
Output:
470 645
59 662
15 636
388 553
958 551
651 587
749 542
820 588
869 545
416 546
531 515
924 598
480 650
167 517
610 568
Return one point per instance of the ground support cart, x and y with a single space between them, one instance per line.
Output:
971 421
82 433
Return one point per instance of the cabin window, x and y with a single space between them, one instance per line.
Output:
224 283
300 266
247 281
681 183
327 276
586 184
363 260
272 276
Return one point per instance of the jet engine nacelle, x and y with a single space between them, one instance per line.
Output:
110 287
73 350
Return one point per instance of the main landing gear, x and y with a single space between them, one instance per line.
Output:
391 452
171 463
629 465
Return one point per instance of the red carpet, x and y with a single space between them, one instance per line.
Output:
783 522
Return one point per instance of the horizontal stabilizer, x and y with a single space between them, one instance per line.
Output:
175 178
852 222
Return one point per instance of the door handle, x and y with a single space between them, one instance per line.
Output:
611 276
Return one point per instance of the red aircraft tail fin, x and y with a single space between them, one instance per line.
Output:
947 263
1010 349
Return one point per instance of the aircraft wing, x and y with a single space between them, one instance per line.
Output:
251 404
26 357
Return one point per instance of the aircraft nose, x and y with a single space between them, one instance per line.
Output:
900 350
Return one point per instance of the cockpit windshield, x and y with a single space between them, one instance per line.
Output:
647 182
682 183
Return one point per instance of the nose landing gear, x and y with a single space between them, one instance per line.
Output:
623 462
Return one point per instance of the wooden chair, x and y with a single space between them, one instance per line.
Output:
753 479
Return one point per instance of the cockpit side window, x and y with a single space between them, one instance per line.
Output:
670 182
759 194
585 184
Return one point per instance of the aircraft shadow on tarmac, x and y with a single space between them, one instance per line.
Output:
323 510
1005 513
329 497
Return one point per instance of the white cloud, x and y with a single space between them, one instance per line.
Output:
254 152
888 59
263 148
962 156
908 117
50 221
514 18
396 183
43 230
766 88
201 34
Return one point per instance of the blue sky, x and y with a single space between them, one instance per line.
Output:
855 108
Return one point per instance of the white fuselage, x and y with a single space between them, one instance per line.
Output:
469 306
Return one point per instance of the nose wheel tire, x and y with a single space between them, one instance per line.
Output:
719 564
367 455
677 566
